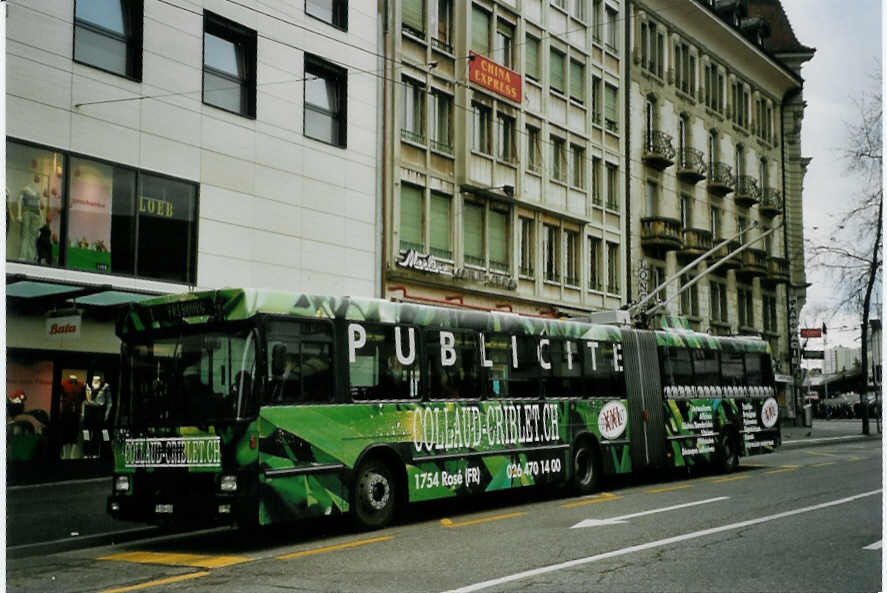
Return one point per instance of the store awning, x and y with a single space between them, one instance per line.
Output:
88 295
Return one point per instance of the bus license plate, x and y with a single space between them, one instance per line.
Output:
163 508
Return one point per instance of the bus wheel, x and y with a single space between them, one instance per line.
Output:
374 497
586 468
727 452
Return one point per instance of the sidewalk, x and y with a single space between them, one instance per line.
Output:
824 432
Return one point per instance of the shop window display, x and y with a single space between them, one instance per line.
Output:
34 180
28 406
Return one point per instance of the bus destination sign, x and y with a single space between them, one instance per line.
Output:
173 452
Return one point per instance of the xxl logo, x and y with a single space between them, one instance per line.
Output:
769 412
612 420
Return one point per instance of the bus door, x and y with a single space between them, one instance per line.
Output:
643 386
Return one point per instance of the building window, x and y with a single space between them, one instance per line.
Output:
412 126
612 30
505 138
740 160
577 166
558 159
746 307
556 67
443 39
108 219
229 65
326 101
596 177
762 174
334 12
413 17
596 21
689 297
498 239
741 226
532 58
481 234
611 109
594 264
769 310
504 50
473 226
579 9
534 150
480 131
685 69
480 31
441 118
596 100
108 35
551 246
411 218
612 187
441 241
577 81
686 211
562 4
613 268
572 258
715 213
526 247
652 198
718 301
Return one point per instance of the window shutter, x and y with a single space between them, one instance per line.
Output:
532 57
480 31
557 70
413 12
473 229
440 225
610 103
577 80
411 216
498 236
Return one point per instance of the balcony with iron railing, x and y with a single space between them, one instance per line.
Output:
659 151
753 262
722 252
660 233
720 179
777 270
695 243
771 202
747 192
412 136
691 166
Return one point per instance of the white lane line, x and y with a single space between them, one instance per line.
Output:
654 544
624 518
819 440
874 546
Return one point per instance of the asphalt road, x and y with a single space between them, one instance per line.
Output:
803 519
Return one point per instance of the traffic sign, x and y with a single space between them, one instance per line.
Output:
813 354
811 332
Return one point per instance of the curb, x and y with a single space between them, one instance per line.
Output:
820 441
79 542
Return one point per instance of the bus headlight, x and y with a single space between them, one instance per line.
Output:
121 484
228 484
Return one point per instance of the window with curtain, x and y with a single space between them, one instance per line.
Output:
441 245
558 159
572 258
534 149
413 16
532 56
440 120
557 70
413 110
108 36
480 133
473 233
411 218
612 187
594 263
444 31
504 50
596 178
613 268
498 239
577 166
551 252
480 31
505 129
577 81
611 109
526 247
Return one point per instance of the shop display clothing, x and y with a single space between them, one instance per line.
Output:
32 221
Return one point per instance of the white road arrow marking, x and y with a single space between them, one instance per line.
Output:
874 546
624 518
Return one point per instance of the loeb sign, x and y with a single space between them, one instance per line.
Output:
494 77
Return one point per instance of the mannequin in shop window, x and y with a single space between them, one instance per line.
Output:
32 218
94 415
73 391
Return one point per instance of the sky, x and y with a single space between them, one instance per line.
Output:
847 38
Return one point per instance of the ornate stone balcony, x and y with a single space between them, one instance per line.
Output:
691 166
730 247
696 242
659 151
661 233
777 270
753 262
720 179
771 202
747 191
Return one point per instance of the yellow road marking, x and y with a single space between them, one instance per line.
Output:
820 453
336 548
854 459
602 497
166 581
450 523
785 469
669 488
197 560
755 465
823 464
730 479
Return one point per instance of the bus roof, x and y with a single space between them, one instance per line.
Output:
234 304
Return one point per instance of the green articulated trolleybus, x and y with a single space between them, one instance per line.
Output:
256 407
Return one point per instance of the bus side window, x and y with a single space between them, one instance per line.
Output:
378 373
732 368
602 379
525 380
565 377
459 378
753 369
706 367
497 348
677 368
300 362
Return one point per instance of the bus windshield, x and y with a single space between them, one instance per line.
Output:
194 377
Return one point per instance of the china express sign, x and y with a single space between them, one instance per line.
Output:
494 77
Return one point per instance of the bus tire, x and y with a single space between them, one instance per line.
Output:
375 494
586 468
727 453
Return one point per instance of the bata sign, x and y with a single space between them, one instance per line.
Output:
63 327
494 77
